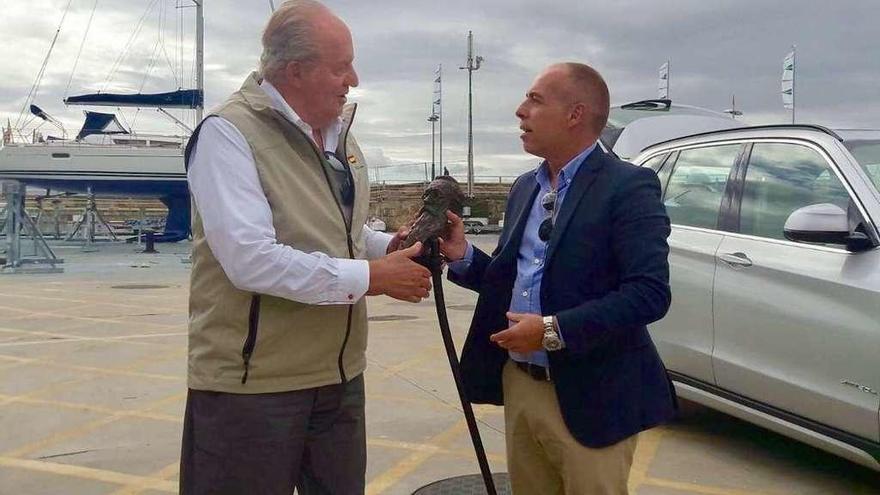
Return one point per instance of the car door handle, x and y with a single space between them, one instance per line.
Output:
736 259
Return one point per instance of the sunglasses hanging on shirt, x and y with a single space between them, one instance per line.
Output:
343 178
548 201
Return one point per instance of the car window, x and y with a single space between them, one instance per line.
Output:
867 153
655 162
693 196
660 166
781 178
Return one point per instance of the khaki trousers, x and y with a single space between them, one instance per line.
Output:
543 458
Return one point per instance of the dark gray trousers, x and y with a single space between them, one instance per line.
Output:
267 444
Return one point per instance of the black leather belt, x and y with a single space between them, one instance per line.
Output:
535 371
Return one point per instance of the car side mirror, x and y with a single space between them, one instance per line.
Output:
824 223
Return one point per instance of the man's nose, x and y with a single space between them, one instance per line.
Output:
352 80
520 111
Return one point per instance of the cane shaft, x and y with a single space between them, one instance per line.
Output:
437 277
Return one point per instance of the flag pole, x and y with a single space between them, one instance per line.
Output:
793 79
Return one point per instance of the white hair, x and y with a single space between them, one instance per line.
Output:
289 37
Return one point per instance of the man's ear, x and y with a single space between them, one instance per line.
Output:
577 114
293 72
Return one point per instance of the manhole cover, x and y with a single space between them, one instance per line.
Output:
139 286
392 318
470 484
462 307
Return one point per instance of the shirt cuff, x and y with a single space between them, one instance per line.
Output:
353 280
460 267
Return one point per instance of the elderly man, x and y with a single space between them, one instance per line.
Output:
581 267
278 325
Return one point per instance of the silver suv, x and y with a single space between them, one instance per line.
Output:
775 272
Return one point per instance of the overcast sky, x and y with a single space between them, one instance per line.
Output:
716 49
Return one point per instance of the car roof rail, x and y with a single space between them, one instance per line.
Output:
812 127
655 104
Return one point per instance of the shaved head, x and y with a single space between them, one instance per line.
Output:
564 112
583 84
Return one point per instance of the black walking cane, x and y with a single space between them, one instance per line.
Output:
435 264
444 194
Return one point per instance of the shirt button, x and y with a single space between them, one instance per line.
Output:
525 293
350 297
537 261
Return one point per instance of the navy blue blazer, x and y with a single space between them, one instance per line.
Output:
606 276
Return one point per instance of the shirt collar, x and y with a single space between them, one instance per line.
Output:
542 175
280 104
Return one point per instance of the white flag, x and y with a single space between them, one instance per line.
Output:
663 84
788 80
436 107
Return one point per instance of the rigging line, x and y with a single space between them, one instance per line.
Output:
162 38
128 44
134 120
81 45
36 87
152 64
121 114
154 57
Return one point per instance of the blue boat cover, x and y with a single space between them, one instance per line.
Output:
182 98
100 123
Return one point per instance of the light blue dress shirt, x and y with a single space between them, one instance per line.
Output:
526 296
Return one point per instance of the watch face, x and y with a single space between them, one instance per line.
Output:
551 342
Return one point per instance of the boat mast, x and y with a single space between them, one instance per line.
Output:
200 57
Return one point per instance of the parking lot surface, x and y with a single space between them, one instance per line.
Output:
92 388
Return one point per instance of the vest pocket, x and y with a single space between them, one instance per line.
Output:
251 341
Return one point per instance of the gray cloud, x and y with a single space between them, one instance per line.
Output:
716 49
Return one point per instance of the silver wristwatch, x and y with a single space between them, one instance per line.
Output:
551 340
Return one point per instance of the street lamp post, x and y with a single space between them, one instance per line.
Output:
473 63
433 120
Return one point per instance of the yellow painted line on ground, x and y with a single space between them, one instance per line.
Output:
163 474
705 489
646 450
83 318
412 462
92 369
92 474
432 449
59 437
434 404
76 302
6 399
425 355
76 406
115 415
81 430
61 338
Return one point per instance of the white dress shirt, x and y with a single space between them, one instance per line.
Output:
237 220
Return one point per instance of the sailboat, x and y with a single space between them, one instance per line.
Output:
105 158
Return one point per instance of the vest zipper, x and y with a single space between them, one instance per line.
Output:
348 239
251 341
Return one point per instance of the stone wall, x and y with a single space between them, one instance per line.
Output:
397 204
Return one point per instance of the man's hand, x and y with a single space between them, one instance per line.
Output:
398 238
453 245
526 335
398 276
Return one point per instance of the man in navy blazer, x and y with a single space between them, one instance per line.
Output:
559 332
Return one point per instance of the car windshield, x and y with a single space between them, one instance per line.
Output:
867 153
